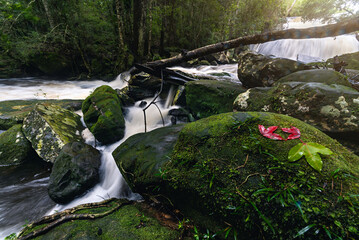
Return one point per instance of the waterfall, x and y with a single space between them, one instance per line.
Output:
308 50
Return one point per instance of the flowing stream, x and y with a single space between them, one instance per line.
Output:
23 189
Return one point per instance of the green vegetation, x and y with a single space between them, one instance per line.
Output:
86 39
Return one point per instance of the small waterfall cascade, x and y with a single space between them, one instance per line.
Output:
27 199
308 50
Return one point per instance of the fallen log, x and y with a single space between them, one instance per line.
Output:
330 30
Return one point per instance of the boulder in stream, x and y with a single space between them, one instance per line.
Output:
256 70
352 59
49 127
208 97
222 171
75 170
103 115
321 98
14 147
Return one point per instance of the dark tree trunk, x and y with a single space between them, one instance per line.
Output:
314 32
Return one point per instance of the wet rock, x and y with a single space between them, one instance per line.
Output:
145 153
208 97
179 115
103 115
14 147
75 171
49 127
222 171
126 101
255 70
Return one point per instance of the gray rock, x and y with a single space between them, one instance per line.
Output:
75 170
49 127
255 70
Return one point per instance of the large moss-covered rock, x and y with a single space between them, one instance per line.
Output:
223 172
208 97
352 59
120 219
316 75
145 154
14 111
331 108
49 127
75 170
14 147
256 70
103 115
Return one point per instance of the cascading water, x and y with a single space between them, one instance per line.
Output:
308 50
24 193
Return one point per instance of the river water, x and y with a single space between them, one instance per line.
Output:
23 189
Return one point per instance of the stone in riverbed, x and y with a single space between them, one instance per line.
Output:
103 115
75 170
222 171
14 147
49 127
208 97
256 70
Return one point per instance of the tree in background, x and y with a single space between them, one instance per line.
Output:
92 38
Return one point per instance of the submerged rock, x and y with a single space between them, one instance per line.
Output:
256 70
103 115
208 97
49 127
14 147
222 172
75 170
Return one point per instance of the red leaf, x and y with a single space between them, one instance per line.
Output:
268 132
294 132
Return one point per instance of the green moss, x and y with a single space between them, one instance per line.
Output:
103 115
131 221
216 97
226 170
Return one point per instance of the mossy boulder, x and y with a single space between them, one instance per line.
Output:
208 97
316 75
222 172
14 111
352 59
145 154
103 115
75 170
329 107
14 147
256 70
111 219
49 127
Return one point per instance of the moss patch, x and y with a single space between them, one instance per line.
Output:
225 170
131 221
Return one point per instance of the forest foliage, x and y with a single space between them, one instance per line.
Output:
101 38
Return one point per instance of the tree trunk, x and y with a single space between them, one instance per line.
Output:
137 36
291 7
48 13
119 26
314 32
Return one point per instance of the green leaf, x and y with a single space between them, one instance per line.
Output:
310 151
